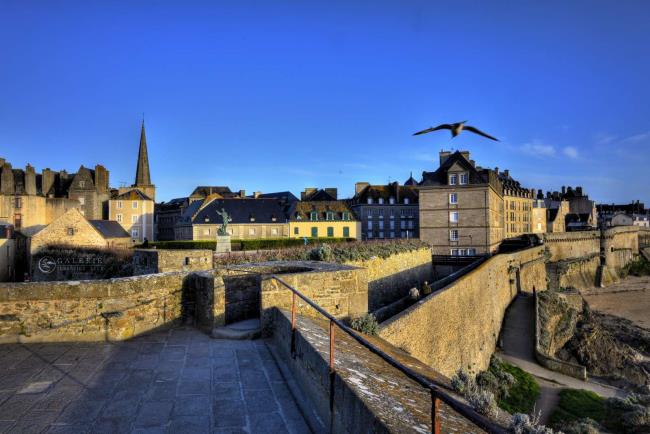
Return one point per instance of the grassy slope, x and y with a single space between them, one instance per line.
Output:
523 394
577 404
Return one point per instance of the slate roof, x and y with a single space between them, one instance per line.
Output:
206 190
320 195
134 194
285 196
172 204
241 211
399 192
109 228
439 177
301 211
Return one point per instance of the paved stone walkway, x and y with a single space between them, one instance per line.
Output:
518 339
176 381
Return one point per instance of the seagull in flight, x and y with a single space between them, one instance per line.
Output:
456 129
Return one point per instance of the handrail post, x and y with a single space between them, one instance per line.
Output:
332 376
293 325
435 415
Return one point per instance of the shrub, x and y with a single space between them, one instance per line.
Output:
515 390
483 402
576 405
322 253
365 324
640 267
462 382
524 424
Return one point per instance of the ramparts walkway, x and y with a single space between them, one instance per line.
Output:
518 345
174 381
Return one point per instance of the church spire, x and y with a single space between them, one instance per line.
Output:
142 175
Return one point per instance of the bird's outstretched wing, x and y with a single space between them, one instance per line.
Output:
439 127
479 132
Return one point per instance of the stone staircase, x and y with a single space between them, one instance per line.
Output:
243 330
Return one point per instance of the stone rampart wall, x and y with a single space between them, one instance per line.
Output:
569 245
458 326
151 261
391 278
89 310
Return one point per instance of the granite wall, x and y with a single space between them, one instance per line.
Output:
458 325
151 261
90 310
390 279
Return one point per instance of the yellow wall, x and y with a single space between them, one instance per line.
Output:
241 231
143 214
304 228
518 215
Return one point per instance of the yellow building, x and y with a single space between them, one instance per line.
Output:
323 219
539 216
133 210
517 207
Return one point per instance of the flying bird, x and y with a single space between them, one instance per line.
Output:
456 129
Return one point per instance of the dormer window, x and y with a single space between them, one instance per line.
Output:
313 216
207 219
391 200
345 215
251 218
453 179
330 215
464 179
381 201
82 184
273 218
370 201
406 201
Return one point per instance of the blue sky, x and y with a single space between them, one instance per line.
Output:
276 95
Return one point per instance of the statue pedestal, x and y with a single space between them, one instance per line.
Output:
223 244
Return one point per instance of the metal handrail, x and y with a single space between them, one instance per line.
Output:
437 393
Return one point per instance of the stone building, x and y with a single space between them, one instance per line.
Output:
167 215
461 207
518 206
90 188
387 211
251 219
556 213
319 214
134 211
7 253
70 229
539 216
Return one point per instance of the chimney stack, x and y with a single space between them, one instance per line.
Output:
30 180
242 193
7 180
101 179
359 186
47 180
444 155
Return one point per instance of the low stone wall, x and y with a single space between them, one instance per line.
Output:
458 325
390 279
90 310
369 394
549 361
151 261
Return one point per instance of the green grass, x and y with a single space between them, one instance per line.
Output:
578 404
522 394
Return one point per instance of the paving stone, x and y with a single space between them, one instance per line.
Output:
14 407
112 426
80 411
260 401
227 391
153 414
68 429
198 361
162 391
150 430
193 387
270 423
125 408
190 425
254 380
5 426
222 374
59 397
196 373
34 421
229 413
192 406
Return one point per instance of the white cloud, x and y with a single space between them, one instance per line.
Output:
637 138
570 152
537 148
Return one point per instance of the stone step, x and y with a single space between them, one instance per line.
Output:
243 330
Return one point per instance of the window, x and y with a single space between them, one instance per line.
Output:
381 234
369 235
119 217
82 184
381 225
402 224
70 231
464 178
369 213
407 201
119 204
369 225
134 233
410 224
453 179
18 203
346 215
330 231
251 218
82 201
453 198
296 231
392 234
134 219
346 232
370 201
453 217
392 224
381 201
454 252
329 215
313 216
453 235
251 231
391 200
471 252
134 204
314 232
274 231
206 231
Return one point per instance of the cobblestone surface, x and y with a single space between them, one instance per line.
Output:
176 381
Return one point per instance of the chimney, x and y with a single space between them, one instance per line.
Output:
506 172
465 154
496 170
563 190
444 155
332 192
7 180
242 193
101 179
359 186
304 195
257 194
30 180
47 180
579 190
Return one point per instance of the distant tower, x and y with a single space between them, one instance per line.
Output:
142 174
